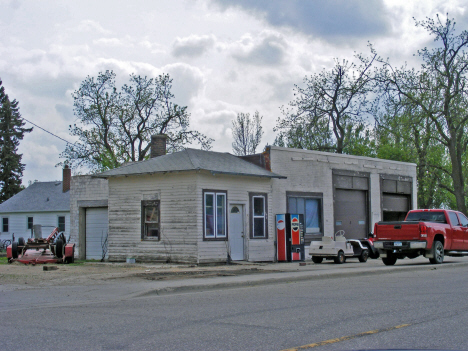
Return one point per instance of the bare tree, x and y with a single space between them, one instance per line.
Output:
115 126
329 112
247 132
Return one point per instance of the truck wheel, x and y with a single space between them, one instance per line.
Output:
14 250
364 256
340 258
317 259
389 260
20 241
59 248
437 252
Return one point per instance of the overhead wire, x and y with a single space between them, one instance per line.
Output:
45 130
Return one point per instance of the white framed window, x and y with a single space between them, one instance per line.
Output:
259 217
150 223
214 214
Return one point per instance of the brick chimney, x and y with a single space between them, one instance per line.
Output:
66 178
158 145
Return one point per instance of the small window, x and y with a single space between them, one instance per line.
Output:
463 220
454 219
258 210
30 222
61 223
5 224
150 220
214 221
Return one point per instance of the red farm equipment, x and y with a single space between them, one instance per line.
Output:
54 249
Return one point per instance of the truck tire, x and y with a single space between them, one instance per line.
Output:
437 252
364 256
317 259
340 258
390 260
20 241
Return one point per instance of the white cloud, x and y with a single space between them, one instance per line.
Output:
267 49
192 46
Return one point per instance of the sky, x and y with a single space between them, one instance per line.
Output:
224 56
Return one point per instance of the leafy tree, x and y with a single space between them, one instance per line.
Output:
247 133
439 92
328 114
115 126
11 132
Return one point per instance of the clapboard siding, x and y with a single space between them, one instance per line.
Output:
178 217
18 224
238 189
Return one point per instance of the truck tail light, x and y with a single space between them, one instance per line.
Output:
422 230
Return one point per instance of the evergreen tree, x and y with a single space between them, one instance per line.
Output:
11 132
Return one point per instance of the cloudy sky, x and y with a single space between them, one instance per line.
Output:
225 56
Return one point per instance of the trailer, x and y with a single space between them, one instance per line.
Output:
53 249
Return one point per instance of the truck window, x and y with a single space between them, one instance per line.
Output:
454 219
463 219
433 216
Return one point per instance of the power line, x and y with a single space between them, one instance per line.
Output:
45 130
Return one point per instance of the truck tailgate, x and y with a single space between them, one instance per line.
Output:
397 231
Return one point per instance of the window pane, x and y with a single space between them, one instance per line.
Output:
30 222
454 218
312 216
221 214
259 227
209 214
152 230
463 219
292 205
259 209
5 224
61 223
300 206
151 214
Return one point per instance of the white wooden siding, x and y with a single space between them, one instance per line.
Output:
18 223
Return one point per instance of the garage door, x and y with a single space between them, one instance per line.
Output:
351 213
96 232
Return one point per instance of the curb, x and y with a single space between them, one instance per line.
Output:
295 277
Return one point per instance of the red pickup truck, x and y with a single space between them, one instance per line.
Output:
432 233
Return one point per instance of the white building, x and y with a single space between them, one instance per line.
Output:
44 203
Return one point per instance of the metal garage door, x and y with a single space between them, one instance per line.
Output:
96 232
351 213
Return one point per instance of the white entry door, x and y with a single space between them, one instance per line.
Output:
236 232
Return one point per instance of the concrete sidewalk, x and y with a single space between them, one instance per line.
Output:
286 272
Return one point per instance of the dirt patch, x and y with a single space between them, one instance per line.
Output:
21 276
174 275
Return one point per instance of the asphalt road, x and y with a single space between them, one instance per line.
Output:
412 309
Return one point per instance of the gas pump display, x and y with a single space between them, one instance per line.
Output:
290 237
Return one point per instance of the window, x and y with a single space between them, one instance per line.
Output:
150 228
454 219
5 224
214 213
30 222
258 213
463 220
61 223
311 208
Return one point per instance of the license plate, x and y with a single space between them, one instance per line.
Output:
397 243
